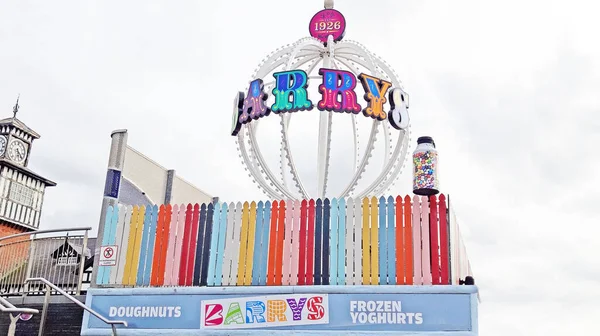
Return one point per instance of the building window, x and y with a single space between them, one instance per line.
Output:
21 194
65 261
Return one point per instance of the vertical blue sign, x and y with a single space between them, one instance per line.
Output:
113 181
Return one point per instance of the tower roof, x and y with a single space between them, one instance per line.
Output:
13 121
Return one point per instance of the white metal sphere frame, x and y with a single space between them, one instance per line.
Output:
310 54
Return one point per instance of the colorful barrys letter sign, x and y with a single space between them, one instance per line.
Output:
338 94
265 311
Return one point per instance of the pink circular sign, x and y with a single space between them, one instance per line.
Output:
328 22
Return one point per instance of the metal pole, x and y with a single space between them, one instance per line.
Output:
324 132
30 262
169 187
12 328
44 311
82 263
112 186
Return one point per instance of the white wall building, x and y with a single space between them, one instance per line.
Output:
145 182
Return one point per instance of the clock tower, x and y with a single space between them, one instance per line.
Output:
21 189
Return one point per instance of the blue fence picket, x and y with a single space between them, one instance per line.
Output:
318 242
208 231
112 239
391 240
105 238
151 241
221 245
144 247
382 242
214 243
257 243
264 251
199 246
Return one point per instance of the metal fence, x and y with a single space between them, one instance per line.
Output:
57 255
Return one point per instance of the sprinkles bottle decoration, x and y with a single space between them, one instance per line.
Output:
425 164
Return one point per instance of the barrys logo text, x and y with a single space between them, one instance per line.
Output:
265 311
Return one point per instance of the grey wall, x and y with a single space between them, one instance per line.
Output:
63 319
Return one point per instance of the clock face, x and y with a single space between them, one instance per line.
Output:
2 144
17 151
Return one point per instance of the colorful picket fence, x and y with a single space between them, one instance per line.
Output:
386 241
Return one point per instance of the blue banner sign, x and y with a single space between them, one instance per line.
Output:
113 181
200 309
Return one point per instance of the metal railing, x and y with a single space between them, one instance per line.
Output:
50 286
58 255
7 307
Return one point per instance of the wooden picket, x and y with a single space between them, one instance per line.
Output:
391 240
318 257
214 243
334 242
408 243
259 247
370 241
383 240
303 242
158 246
366 241
295 243
264 251
287 244
168 226
357 244
221 245
105 239
444 240
123 244
416 239
230 245
179 244
280 240
247 280
272 256
310 244
433 241
133 247
171 246
326 242
341 239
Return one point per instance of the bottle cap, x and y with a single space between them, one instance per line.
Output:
426 139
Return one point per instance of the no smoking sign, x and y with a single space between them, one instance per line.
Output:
108 255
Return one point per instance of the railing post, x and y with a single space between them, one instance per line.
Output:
29 263
44 310
116 161
12 328
82 263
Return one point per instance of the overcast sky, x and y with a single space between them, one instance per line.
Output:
509 90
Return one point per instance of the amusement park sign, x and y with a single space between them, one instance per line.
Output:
336 69
338 94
